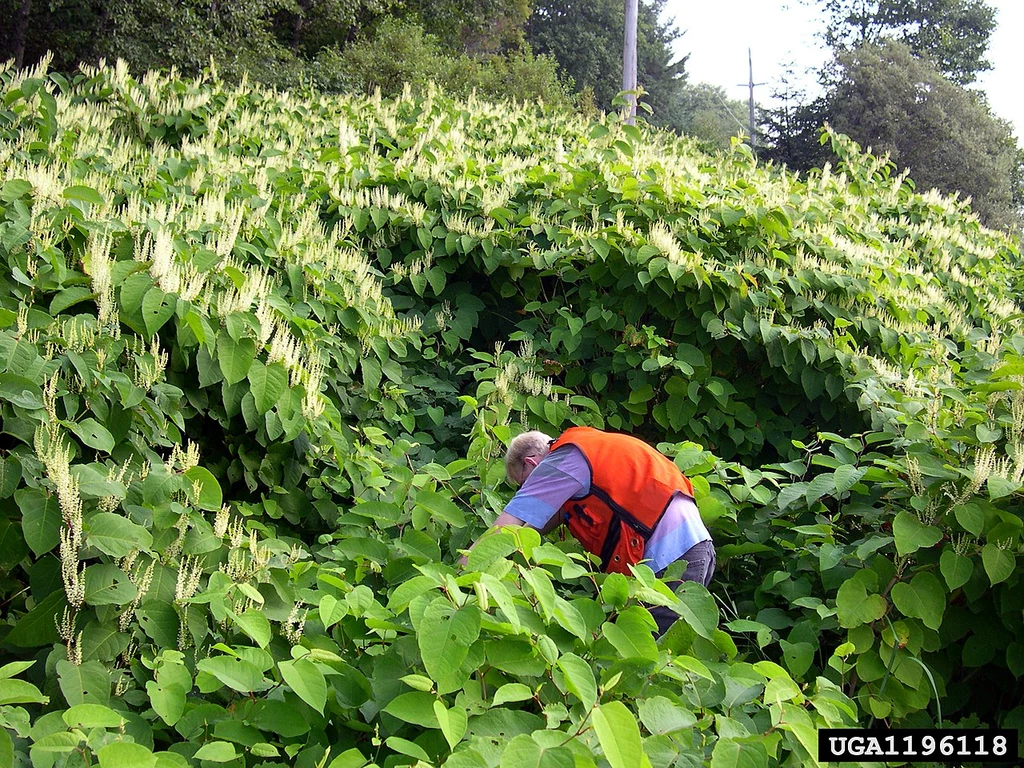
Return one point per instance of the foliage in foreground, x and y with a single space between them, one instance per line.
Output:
253 405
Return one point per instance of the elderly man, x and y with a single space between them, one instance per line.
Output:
623 501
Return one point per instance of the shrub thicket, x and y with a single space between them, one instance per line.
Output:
259 352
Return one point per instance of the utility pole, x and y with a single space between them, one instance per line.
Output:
750 84
629 58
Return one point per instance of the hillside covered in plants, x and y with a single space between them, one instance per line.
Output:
260 353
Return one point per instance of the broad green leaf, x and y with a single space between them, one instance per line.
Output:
729 753
167 700
86 683
579 678
267 383
255 624
157 309
40 519
331 611
83 193
444 636
854 606
125 754
305 678
407 747
524 752
661 715
6 748
235 357
92 716
511 692
697 608
452 722
999 563
210 497
847 476
923 598
216 752
14 691
911 534
415 707
108 585
441 507
93 434
14 668
116 535
956 569
619 735
971 517
234 672
490 548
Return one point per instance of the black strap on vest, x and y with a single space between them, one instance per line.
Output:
614 530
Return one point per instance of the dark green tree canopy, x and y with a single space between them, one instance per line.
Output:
946 136
954 34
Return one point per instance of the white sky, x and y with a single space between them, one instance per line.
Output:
782 33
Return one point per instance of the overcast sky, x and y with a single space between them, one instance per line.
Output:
781 34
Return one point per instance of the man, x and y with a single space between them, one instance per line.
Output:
621 499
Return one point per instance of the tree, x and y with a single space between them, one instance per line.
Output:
954 34
948 138
707 114
585 36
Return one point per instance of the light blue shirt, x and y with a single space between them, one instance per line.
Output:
565 474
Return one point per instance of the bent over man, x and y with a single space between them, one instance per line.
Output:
621 499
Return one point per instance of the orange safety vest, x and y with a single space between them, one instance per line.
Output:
631 485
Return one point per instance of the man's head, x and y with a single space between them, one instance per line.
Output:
524 453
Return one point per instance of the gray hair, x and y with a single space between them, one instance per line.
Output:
532 443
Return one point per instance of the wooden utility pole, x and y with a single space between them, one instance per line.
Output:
750 84
629 58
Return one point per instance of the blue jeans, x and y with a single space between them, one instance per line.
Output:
700 567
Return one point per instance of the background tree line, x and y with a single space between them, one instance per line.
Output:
900 80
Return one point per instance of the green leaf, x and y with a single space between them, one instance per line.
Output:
87 683
267 383
40 519
14 691
854 606
125 754
524 752
661 715
415 707
632 639
37 627
331 611
234 672
999 563
83 193
406 747
444 636
971 517
6 748
579 678
216 752
452 722
157 309
167 700
308 682
729 753
93 434
235 357
911 534
210 498
442 507
116 535
511 692
923 598
92 716
619 735
255 624
956 569
847 476
107 584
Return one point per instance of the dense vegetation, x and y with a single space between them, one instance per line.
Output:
260 354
